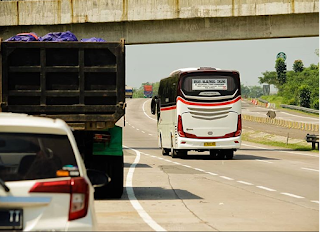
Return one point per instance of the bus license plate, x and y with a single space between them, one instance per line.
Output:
212 144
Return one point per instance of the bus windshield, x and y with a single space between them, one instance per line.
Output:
210 85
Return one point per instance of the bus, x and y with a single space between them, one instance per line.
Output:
199 109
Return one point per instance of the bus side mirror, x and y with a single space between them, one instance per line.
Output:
154 103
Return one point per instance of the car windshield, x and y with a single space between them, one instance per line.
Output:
34 156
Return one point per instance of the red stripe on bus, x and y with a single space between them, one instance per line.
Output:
208 104
168 108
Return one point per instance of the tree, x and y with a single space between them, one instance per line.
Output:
304 96
297 66
281 69
268 78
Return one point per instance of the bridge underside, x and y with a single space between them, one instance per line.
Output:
187 30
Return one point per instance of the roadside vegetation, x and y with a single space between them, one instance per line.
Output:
253 136
299 86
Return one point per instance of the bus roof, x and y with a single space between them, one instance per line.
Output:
192 69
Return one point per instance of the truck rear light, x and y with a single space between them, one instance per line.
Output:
78 189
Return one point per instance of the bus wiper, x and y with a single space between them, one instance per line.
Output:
6 188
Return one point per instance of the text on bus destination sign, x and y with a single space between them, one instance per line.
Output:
209 84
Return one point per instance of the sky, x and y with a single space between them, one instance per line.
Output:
151 63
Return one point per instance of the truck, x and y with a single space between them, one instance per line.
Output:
81 83
129 92
147 91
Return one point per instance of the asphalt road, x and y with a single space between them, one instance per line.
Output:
250 109
261 189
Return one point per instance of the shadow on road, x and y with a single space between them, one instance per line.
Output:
236 157
157 193
127 165
142 148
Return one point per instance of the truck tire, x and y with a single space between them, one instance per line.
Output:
114 169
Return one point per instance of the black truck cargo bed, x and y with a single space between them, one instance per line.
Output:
79 82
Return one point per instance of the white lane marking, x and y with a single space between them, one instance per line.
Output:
315 202
310 169
176 163
187 166
143 132
138 129
211 173
198 169
145 111
264 161
133 200
133 127
292 195
153 156
291 152
227 178
265 188
300 116
244 182
150 134
160 158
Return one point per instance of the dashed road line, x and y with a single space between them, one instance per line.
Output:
229 178
212 174
244 182
265 188
226 178
198 169
143 132
310 169
264 161
292 195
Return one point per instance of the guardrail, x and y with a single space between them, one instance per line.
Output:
262 100
300 108
283 123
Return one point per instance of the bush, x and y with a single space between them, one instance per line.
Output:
315 104
304 96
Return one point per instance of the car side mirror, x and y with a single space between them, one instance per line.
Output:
98 178
154 103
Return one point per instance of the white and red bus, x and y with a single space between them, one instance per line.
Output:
199 109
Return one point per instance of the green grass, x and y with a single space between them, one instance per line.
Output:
295 147
278 100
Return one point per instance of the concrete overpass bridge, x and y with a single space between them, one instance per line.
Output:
163 21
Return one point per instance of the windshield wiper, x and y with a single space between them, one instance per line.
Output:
6 188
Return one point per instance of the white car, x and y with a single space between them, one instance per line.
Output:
44 184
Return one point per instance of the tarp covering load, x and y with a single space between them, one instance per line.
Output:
93 39
24 37
52 37
59 36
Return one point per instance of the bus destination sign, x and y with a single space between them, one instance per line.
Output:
209 84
